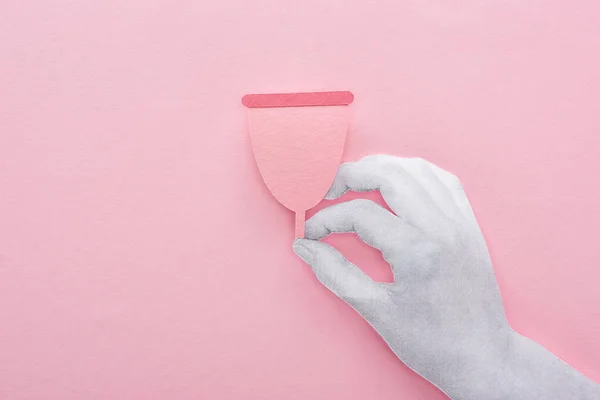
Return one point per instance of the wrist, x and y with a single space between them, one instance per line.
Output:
517 368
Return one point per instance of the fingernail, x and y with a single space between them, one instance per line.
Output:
302 251
329 195
333 192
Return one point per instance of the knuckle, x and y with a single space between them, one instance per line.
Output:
363 205
455 181
344 170
382 159
345 165
373 157
419 161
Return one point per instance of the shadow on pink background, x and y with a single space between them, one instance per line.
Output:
141 256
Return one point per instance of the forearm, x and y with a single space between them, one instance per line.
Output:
526 371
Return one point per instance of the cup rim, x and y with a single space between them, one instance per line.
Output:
301 99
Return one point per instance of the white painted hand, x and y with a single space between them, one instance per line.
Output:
443 315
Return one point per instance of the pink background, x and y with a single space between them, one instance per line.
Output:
141 256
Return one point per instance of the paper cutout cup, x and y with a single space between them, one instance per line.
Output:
298 141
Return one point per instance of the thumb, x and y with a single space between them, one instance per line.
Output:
339 275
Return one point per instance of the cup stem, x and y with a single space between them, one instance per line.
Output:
299 224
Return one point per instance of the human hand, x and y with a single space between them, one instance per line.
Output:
443 315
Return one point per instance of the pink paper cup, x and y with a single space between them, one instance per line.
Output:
298 141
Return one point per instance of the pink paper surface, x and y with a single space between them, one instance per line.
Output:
141 256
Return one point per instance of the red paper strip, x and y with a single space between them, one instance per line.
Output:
310 99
